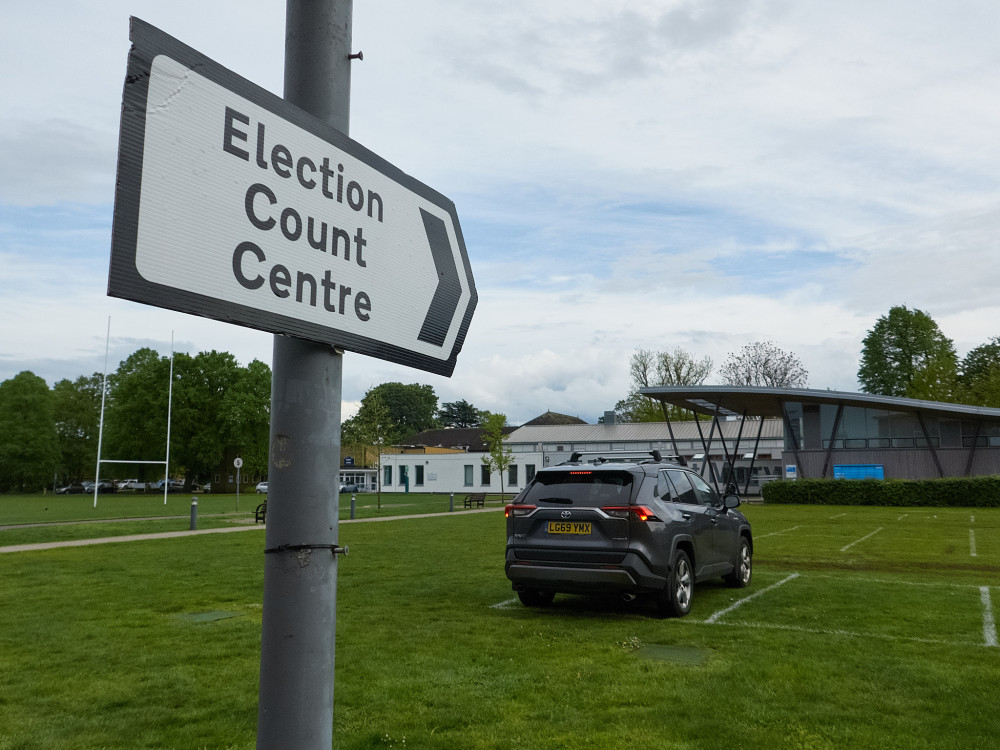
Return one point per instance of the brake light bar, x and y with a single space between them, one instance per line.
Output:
518 510
639 511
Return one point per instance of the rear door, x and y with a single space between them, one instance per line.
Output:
568 516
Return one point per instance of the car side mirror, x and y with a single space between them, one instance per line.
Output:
731 501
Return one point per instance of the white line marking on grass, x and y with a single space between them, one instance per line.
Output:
844 633
900 518
745 599
838 515
972 543
775 533
504 605
989 624
858 541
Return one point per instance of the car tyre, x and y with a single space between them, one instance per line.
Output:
536 597
743 572
675 599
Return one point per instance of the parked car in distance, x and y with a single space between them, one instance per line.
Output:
103 486
123 483
349 488
71 489
174 486
134 485
627 527
262 488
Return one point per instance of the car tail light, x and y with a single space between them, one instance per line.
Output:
518 510
641 512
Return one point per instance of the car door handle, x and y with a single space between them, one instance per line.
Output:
715 521
686 516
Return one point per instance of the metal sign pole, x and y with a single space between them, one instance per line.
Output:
295 706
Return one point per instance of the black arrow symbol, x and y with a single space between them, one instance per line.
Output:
449 290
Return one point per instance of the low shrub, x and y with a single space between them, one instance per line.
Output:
980 492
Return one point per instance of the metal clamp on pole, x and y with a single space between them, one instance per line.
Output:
334 549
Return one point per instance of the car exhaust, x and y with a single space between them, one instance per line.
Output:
628 597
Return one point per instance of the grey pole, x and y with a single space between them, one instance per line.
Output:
295 705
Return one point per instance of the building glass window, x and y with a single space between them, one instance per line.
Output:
468 475
529 472
512 475
387 476
418 478
484 475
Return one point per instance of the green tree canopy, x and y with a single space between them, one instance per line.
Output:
77 410
764 364
905 354
135 416
29 445
411 409
668 367
459 414
246 416
979 382
216 405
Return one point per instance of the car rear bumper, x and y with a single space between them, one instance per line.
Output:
631 575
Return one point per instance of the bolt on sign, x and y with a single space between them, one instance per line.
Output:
235 205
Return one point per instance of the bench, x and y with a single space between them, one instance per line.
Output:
260 514
475 499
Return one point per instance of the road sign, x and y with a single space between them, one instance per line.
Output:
235 205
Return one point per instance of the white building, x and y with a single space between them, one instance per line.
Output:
535 446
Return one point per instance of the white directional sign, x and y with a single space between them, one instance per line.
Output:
234 204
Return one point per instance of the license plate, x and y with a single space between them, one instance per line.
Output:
569 527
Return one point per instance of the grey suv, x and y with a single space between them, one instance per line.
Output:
626 526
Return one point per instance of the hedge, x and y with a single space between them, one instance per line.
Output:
979 492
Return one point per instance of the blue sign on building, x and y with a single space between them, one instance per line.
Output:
858 471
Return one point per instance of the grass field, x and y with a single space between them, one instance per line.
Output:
863 628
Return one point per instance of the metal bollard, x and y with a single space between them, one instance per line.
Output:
194 513
451 503
353 500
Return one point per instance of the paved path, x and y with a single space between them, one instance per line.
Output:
197 532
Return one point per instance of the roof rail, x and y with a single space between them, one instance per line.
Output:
638 457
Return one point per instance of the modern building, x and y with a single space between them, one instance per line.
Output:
830 434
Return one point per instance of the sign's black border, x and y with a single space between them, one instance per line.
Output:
124 280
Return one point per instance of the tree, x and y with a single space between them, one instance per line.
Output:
77 413
29 446
135 417
669 367
246 416
764 364
979 382
371 428
411 408
900 346
459 414
498 456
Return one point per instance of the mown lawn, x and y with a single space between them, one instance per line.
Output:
845 639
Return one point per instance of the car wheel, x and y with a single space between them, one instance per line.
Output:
675 599
535 597
740 577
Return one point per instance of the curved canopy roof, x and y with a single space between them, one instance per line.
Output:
734 401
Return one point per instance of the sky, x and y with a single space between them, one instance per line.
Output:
647 174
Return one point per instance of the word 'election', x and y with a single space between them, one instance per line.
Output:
260 206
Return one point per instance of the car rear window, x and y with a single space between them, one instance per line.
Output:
580 487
